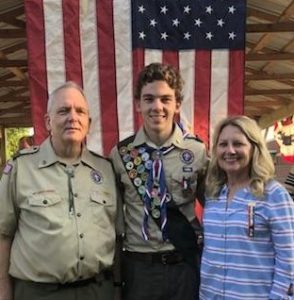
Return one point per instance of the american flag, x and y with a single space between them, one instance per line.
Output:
103 44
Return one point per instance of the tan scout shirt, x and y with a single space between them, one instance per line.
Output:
176 168
50 243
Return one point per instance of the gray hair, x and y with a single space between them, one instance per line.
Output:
68 84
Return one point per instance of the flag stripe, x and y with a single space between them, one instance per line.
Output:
72 47
37 66
107 71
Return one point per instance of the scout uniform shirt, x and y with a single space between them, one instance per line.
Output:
61 219
183 167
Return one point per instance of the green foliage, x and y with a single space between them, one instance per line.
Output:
12 137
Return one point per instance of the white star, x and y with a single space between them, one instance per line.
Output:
164 36
141 9
232 9
198 22
153 22
187 9
142 35
232 35
187 35
209 9
163 10
209 36
176 22
220 22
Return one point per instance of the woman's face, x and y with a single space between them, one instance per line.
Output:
234 151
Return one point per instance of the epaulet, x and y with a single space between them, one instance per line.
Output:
26 151
194 137
126 141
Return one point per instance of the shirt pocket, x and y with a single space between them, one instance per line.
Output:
102 205
183 187
46 208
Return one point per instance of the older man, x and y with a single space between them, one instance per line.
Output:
58 209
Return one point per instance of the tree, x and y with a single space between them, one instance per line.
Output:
12 138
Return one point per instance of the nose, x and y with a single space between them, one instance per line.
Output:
231 148
157 104
73 115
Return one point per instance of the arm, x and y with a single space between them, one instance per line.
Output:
5 280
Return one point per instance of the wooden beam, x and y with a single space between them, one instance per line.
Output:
252 12
273 27
4 99
19 108
269 56
265 76
7 83
12 33
13 63
268 120
251 92
22 121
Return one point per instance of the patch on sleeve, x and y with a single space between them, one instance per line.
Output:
7 169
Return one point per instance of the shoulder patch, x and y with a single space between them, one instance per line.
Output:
27 151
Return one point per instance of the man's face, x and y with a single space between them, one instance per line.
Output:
158 106
68 120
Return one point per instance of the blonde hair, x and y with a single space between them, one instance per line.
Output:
261 166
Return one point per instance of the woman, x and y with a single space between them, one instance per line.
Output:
248 220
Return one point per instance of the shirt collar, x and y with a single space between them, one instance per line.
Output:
176 139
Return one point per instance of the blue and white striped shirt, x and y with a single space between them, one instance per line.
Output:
236 266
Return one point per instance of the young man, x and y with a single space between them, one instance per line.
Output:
58 210
160 169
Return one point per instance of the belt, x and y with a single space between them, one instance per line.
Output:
165 258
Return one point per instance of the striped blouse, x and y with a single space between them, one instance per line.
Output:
248 246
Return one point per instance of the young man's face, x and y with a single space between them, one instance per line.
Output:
158 106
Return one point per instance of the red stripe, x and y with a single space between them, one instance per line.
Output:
37 66
236 83
202 94
72 45
171 58
107 71
138 65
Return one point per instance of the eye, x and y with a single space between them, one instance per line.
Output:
62 111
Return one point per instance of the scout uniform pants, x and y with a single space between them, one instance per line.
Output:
158 278
88 290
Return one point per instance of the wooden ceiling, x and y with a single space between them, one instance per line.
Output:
269 84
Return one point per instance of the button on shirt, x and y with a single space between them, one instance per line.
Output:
236 265
52 244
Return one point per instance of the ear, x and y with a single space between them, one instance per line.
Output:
47 122
178 107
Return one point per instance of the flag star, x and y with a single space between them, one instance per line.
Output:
208 9
187 35
164 36
163 10
141 9
187 9
232 35
153 22
220 22
209 36
142 35
232 9
176 22
198 22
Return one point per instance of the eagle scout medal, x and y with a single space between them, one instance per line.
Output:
187 156
96 176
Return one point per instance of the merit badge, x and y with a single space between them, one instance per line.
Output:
123 150
130 146
187 156
129 165
137 161
142 150
145 156
140 169
144 176
137 181
96 176
7 169
127 157
134 153
148 164
155 213
141 190
133 173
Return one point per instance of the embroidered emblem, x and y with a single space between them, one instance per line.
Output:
187 156
96 176
7 169
187 169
